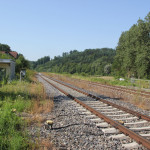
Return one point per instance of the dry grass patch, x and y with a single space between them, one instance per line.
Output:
140 102
41 105
43 144
107 78
46 145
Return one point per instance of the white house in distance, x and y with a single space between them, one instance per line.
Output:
7 68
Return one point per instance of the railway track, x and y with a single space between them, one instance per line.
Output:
123 89
116 88
111 118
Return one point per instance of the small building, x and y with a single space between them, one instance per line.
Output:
7 68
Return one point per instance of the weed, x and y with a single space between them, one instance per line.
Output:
11 127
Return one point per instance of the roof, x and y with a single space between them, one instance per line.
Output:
12 53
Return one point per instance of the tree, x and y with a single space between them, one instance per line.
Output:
107 69
4 47
21 63
133 51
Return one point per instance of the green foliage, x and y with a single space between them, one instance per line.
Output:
21 63
40 61
88 62
133 51
29 75
11 128
13 96
107 69
4 47
5 80
5 56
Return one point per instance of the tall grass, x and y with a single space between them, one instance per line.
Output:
15 98
11 129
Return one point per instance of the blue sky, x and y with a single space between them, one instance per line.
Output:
38 28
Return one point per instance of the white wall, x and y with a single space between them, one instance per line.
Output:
10 68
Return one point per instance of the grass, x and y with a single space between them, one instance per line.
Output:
11 127
15 99
108 80
13 96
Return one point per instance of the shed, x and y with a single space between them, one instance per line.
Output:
7 68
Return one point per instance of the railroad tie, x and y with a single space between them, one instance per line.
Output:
119 136
110 131
102 125
140 128
130 145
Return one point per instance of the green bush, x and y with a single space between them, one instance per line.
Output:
5 80
11 129
14 99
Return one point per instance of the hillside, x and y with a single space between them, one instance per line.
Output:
90 61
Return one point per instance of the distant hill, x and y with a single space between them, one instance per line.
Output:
90 61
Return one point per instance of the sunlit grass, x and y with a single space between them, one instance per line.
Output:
17 97
108 80
14 98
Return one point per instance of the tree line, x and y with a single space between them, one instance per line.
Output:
40 61
90 61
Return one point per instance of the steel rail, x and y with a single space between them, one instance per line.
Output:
113 87
139 115
139 139
130 91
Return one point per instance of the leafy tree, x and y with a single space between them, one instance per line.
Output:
133 51
21 63
4 47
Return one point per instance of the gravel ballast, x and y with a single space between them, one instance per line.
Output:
72 130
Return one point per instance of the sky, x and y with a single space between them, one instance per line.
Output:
38 28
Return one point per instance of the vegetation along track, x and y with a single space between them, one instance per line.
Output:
131 123
123 89
116 88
